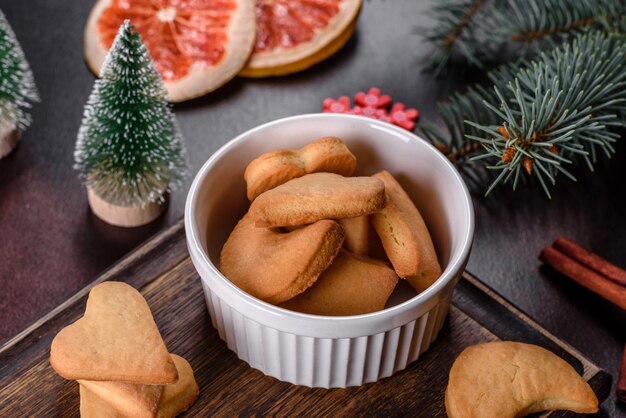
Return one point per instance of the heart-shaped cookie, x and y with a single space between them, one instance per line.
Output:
352 285
405 236
182 394
176 398
129 399
116 340
361 237
274 168
317 196
275 266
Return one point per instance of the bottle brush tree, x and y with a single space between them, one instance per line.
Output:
17 88
129 148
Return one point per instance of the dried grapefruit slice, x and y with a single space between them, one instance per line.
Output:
292 35
197 45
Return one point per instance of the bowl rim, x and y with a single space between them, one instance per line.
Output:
455 264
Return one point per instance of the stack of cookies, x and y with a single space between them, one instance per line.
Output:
318 241
117 355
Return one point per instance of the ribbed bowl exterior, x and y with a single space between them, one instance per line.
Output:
324 362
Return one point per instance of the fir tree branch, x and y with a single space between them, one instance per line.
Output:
539 19
541 116
460 26
451 139
478 35
562 107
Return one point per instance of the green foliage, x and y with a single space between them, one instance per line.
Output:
564 106
129 145
478 30
460 30
17 87
531 20
453 139
542 116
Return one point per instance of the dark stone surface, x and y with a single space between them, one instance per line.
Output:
51 246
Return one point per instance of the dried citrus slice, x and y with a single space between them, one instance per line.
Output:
292 35
197 45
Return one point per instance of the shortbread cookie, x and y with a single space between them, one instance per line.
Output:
116 340
176 398
92 406
127 398
275 266
405 236
181 395
352 285
361 237
508 379
318 196
277 167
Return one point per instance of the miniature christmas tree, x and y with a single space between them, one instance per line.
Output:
17 89
129 147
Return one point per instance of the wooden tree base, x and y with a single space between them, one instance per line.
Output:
125 216
10 135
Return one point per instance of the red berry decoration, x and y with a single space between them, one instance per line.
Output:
371 112
403 117
341 105
375 105
373 98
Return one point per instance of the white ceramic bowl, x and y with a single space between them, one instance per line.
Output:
324 351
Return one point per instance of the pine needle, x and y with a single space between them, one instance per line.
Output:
478 30
542 115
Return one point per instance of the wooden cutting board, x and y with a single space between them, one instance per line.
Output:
162 271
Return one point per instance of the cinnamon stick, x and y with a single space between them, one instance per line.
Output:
584 276
591 260
594 273
620 389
